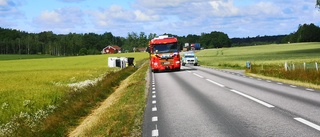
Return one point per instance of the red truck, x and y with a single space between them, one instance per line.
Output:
164 54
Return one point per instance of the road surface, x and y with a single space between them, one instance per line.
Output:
203 102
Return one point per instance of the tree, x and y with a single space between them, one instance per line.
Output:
318 4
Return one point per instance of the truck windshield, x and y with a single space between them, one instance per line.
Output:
165 48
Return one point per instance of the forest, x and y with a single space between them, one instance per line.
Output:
14 41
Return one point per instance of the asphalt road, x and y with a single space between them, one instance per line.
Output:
202 102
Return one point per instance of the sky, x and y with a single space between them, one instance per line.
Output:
237 18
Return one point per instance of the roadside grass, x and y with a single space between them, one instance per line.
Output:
122 113
268 60
33 88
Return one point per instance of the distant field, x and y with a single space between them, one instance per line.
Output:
35 82
266 54
23 56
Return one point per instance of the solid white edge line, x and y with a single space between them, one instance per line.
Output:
253 99
197 75
308 123
215 83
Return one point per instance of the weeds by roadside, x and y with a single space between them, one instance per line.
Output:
278 71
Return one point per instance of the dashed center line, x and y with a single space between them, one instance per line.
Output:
197 75
308 123
215 83
253 99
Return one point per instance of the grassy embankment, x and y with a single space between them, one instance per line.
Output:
122 113
268 60
33 88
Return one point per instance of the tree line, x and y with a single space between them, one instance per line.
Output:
305 33
19 42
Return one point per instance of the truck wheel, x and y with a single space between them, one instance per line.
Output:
183 64
195 64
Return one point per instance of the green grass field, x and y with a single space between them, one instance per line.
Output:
267 54
34 83
24 56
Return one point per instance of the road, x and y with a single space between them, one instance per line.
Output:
203 102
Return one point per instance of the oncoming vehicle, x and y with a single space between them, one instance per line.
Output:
164 54
189 58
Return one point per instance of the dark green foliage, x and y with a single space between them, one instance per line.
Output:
83 51
258 40
305 33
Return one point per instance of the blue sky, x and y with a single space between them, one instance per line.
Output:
237 18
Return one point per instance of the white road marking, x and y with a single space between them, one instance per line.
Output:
308 123
253 99
155 132
259 79
279 83
154 108
153 88
154 96
153 85
153 92
154 119
293 86
268 81
189 71
197 75
309 89
215 83
154 102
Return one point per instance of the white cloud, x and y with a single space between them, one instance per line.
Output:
140 16
3 2
223 8
237 18
63 20
50 17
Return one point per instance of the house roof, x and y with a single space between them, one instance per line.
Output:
114 47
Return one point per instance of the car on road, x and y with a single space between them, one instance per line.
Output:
189 58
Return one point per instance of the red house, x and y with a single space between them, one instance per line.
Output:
111 49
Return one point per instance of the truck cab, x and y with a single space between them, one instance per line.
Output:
164 54
189 58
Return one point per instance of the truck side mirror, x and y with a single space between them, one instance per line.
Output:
148 50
